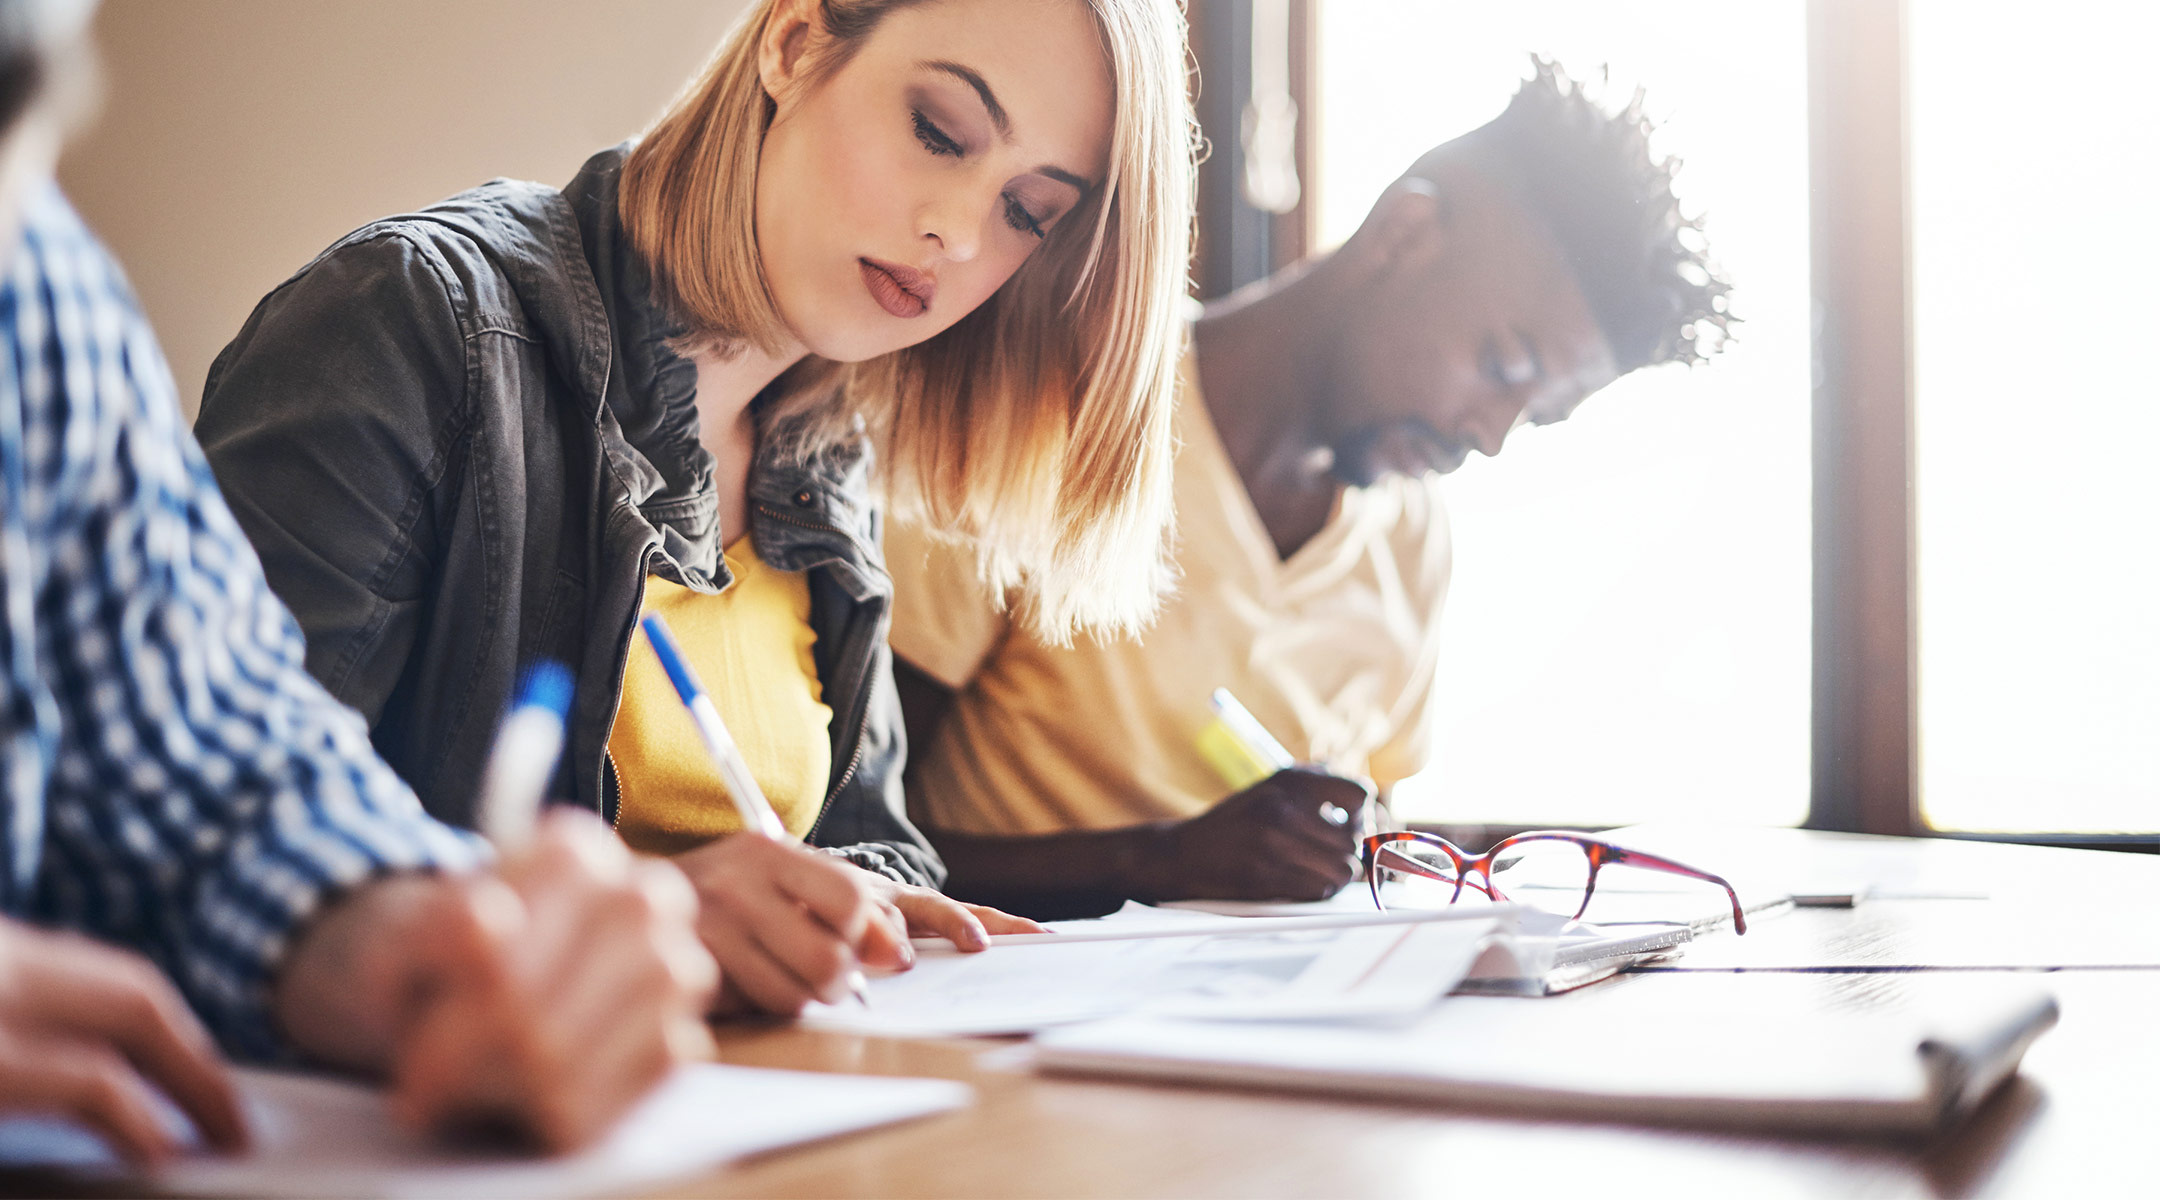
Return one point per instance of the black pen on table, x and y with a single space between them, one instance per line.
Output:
742 787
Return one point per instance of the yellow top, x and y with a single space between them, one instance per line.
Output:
750 646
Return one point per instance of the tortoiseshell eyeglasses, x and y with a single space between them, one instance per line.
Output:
1555 872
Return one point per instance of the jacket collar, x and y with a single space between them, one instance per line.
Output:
803 513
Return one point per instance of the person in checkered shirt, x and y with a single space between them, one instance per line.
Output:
194 836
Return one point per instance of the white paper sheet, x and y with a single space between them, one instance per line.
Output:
1372 967
323 1137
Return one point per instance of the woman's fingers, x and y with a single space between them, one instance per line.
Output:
776 954
787 924
758 978
996 921
885 944
809 949
836 892
936 914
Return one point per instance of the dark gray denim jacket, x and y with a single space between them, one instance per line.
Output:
460 443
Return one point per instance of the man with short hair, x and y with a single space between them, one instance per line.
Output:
173 782
1506 276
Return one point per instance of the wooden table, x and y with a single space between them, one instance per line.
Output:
2082 1118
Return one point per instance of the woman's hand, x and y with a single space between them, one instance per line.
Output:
926 912
94 1033
789 925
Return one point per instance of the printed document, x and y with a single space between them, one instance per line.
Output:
1370 966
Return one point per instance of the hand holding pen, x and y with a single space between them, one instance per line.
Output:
788 925
1286 832
545 995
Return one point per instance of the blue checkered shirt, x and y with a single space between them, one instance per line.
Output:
171 778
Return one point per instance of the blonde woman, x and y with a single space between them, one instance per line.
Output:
502 427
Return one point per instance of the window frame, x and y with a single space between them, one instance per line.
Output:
1864 735
1257 243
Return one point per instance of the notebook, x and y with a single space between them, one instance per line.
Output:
1892 1073
316 1136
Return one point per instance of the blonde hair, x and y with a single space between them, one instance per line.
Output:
1038 427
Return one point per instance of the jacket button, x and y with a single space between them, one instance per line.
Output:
804 499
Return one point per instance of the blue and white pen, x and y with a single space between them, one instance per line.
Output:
523 760
742 787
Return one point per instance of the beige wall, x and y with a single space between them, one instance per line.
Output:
239 137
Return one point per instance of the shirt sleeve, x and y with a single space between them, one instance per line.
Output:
207 796
1427 555
946 622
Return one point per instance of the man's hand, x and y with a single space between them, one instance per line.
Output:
1292 836
548 996
87 1031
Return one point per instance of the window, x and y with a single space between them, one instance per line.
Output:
2035 417
1628 635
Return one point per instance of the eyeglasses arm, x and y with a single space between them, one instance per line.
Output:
1622 856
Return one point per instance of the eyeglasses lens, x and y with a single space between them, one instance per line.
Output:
1545 874
1416 874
